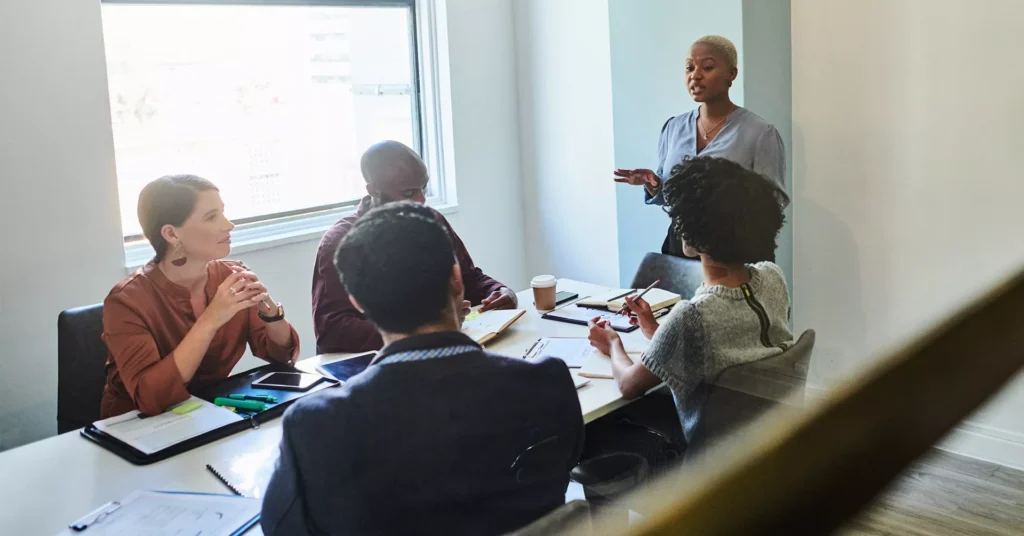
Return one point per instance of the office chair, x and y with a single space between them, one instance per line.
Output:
742 393
682 276
81 355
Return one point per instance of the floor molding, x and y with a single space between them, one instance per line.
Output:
986 443
969 439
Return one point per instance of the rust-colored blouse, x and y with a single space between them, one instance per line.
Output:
146 316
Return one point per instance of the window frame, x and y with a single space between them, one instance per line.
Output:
431 136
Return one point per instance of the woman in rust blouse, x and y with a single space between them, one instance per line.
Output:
186 316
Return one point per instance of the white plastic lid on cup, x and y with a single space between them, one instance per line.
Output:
543 281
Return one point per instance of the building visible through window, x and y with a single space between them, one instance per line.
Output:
273 103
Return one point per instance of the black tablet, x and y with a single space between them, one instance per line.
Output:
288 381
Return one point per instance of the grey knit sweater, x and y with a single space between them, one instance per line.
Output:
718 328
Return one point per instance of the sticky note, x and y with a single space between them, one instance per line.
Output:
187 407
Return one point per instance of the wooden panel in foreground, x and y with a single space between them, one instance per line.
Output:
810 475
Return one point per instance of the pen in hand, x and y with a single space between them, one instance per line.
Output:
625 307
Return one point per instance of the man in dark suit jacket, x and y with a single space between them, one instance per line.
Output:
436 436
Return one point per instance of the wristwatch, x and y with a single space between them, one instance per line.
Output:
275 318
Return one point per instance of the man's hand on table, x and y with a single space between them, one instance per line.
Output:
500 299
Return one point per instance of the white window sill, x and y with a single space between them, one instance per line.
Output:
267 235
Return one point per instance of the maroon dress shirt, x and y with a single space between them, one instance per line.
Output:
338 325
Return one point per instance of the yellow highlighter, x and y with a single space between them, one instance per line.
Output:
187 407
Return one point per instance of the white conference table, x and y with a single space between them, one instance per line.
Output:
53 482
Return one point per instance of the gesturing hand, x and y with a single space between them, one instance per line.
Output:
637 177
238 292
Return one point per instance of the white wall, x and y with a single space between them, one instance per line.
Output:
565 118
59 222
907 146
649 87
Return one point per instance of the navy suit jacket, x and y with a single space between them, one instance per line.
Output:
432 446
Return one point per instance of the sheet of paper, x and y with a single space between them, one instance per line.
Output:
153 513
152 434
580 382
488 322
572 351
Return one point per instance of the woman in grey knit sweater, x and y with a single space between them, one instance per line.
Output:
730 217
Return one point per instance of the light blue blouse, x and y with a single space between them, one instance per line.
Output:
746 139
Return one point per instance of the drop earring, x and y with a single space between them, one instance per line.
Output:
180 261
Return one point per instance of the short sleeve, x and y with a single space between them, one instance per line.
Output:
770 157
677 351
663 142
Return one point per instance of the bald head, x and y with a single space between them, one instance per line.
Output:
393 172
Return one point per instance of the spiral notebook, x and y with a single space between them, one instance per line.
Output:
247 474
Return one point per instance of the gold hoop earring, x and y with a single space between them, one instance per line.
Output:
180 261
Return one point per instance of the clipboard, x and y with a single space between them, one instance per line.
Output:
240 383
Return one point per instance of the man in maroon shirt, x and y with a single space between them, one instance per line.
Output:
393 172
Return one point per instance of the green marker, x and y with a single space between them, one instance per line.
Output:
270 399
251 405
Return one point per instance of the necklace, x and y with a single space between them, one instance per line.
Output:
707 131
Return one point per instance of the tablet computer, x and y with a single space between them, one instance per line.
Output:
343 369
288 381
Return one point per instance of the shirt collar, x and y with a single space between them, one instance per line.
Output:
168 287
425 342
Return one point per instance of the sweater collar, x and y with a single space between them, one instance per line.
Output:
428 341
732 293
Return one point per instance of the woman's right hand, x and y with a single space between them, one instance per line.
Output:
233 295
641 315
638 177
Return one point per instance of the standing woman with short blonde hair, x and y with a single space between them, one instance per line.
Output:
717 128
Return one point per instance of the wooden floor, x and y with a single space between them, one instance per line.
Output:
948 494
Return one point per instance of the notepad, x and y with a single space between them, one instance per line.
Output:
485 326
152 434
579 382
597 369
158 513
248 474
657 298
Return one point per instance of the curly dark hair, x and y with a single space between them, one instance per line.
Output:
396 262
724 210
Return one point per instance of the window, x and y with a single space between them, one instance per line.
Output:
273 101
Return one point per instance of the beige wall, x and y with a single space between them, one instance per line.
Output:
908 181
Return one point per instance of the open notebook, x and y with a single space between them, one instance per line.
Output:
484 327
656 297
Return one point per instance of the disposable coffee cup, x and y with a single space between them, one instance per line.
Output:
544 292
